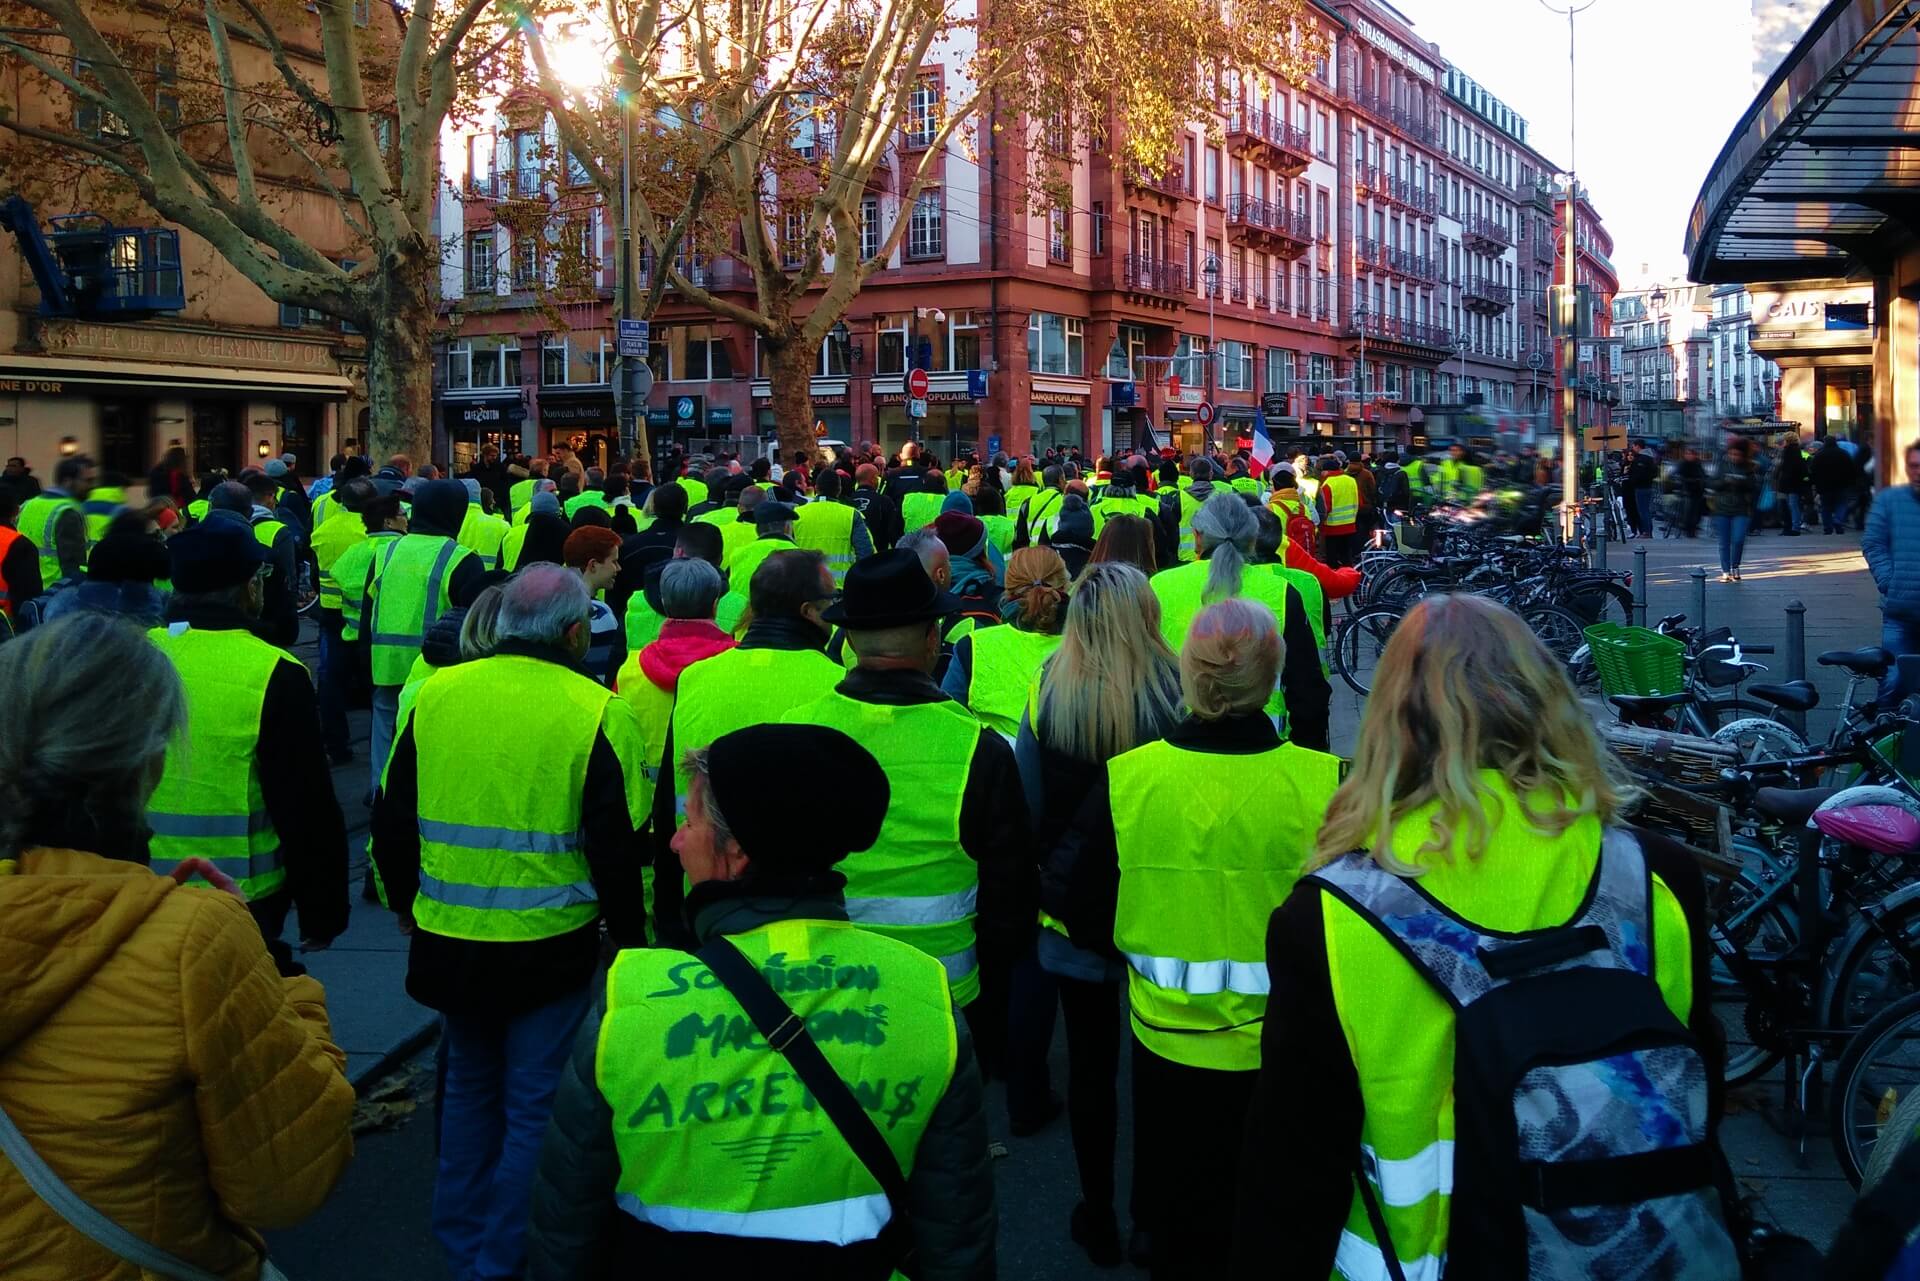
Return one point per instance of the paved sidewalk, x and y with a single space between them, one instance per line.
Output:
365 971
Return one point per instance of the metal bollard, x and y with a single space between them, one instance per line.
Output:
1640 586
1598 551
1797 656
1699 576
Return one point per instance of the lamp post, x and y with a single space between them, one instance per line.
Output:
1569 426
1211 270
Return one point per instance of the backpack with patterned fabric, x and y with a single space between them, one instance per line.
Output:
1581 1145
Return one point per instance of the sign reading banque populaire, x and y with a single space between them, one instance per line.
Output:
1803 319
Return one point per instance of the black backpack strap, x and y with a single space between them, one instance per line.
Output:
786 1033
1378 1218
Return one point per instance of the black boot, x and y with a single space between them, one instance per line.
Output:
1098 1233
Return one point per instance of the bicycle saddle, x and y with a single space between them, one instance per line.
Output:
1872 661
1647 704
1791 804
1794 696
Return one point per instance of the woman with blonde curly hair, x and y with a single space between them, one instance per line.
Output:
1475 810
993 668
1195 840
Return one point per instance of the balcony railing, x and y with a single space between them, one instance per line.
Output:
1171 183
1487 230
1486 294
1405 262
1258 125
1275 221
1392 329
1142 274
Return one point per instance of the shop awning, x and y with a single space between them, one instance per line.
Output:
1820 177
143 376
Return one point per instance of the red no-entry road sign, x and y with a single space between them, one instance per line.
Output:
917 384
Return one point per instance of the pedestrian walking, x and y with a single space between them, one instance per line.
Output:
1690 477
248 786
1112 686
1189 891
1642 482
1730 498
1834 476
55 521
1891 545
952 872
1224 533
1791 485
859 1140
1479 818
237 502
993 668
503 889
151 1057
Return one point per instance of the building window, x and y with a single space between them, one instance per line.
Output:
480 163
1127 358
526 162
526 262
693 354
577 175
1099 230
869 227
480 262
793 231
574 360
1236 366
1056 344
890 343
1280 369
963 329
926 232
1059 243
923 113
1211 188
1320 375
482 362
1189 360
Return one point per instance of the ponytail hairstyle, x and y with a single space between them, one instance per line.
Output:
1226 526
1036 590
87 707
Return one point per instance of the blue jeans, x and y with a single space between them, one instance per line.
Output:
501 1076
1833 513
1897 636
386 715
335 654
1793 518
1733 540
1643 510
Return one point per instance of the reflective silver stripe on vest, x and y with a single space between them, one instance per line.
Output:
404 640
507 898
1201 978
928 909
960 964
472 836
1411 1180
858 1218
438 572
207 825
1358 1259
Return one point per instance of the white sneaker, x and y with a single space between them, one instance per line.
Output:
1726 578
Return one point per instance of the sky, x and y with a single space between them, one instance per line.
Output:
1661 84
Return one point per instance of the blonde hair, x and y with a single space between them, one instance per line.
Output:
1465 686
1113 683
1037 579
477 629
1230 659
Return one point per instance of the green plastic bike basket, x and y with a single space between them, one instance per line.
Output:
1637 660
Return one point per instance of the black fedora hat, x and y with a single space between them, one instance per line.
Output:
889 590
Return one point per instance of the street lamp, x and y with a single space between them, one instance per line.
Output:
1569 424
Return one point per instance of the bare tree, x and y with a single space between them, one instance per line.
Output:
809 106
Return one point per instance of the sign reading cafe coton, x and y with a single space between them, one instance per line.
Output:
1798 310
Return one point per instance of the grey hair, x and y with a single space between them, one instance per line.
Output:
698 763
1228 528
479 630
926 544
87 707
690 588
541 603
1051 476
230 496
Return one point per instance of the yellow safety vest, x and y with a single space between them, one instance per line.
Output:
920 508
917 884
1184 549
522 492
411 587
743 687
483 535
748 558
826 526
1399 1030
1191 917
1343 501
209 804
102 505
1041 511
504 863
353 572
331 539
706 1116
1182 592
1006 662
39 519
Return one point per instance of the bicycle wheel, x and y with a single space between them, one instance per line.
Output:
1765 930
1879 1069
1761 739
1358 644
1873 967
1560 630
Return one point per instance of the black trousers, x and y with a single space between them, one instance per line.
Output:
1189 1125
1340 550
1093 1016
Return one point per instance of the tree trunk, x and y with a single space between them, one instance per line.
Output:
400 367
791 372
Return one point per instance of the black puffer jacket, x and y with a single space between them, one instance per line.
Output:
576 1231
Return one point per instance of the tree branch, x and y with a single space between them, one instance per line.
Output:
235 111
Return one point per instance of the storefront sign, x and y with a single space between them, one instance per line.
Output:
1788 320
587 411
486 413
143 342
32 387
838 398
895 398
1056 398
1386 43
